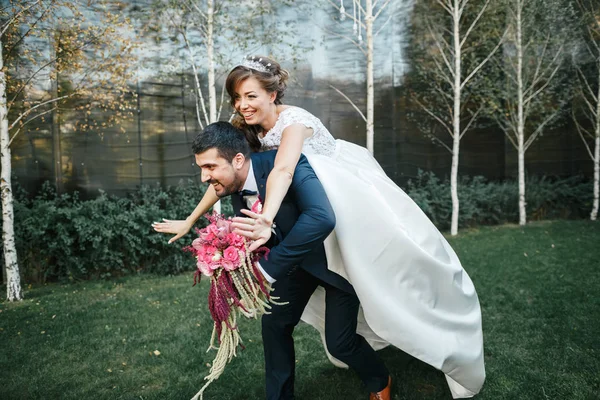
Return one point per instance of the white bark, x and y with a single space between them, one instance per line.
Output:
367 21
449 70
596 159
520 116
538 58
198 94
370 90
212 92
13 279
594 213
591 100
455 118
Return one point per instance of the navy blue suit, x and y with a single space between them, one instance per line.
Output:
298 263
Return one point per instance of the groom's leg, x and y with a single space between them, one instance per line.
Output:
341 313
277 327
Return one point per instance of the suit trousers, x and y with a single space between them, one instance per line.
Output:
341 312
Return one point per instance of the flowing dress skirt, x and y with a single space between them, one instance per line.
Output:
413 291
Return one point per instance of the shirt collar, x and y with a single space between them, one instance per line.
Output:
250 183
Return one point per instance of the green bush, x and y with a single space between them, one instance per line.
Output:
64 237
486 203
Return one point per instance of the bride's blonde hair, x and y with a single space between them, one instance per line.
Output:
270 76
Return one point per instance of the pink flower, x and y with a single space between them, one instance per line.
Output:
235 240
206 235
210 250
231 254
223 227
204 268
197 244
228 265
207 253
220 243
217 257
219 229
257 207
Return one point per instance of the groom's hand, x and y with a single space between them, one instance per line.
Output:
255 227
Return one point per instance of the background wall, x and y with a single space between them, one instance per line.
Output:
154 147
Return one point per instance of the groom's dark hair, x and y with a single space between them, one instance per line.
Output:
224 137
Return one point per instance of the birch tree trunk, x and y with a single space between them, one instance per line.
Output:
210 55
456 120
210 51
370 89
13 280
56 147
520 116
594 213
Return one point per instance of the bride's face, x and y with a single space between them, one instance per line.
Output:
253 102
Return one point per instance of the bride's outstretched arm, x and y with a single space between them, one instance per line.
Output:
258 226
182 227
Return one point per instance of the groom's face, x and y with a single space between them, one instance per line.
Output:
224 175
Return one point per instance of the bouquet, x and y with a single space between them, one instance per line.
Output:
237 287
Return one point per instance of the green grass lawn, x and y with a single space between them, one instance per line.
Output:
539 289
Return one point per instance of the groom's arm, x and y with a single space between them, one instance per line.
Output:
315 222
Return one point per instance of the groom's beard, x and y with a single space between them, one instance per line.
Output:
225 190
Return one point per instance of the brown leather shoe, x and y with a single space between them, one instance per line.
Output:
385 394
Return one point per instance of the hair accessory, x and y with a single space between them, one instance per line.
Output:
255 65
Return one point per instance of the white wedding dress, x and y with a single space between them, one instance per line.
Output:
413 291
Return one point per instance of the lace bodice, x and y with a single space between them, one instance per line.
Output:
321 142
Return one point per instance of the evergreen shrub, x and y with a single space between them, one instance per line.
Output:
63 237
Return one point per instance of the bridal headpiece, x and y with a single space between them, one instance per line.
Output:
253 63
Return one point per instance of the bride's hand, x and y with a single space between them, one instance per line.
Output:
255 227
178 227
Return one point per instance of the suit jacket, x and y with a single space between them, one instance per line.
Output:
303 221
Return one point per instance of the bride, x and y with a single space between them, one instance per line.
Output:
412 288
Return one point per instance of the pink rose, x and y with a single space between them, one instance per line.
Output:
220 243
223 228
205 258
207 253
206 235
236 240
231 254
220 229
197 244
210 250
228 265
204 269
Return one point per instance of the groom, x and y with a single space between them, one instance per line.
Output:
296 264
